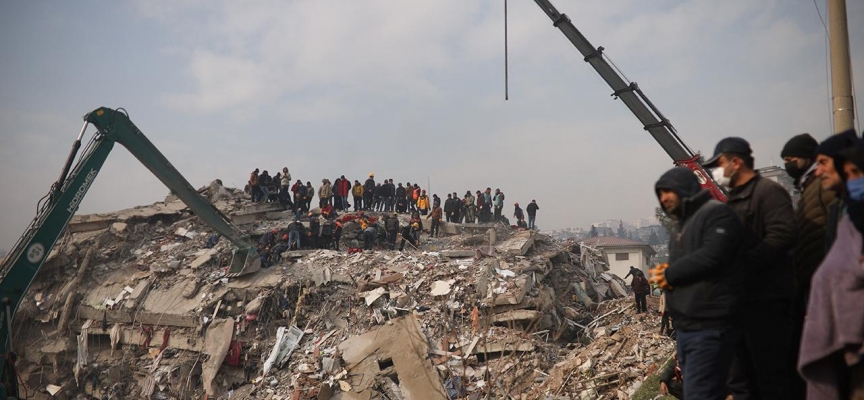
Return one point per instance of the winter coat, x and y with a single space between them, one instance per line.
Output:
400 191
765 210
498 201
704 257
834 315
811 217
518 214
325 191
253 179
392 224
285 180
640 285
468 200
532 209
369 186
448 205
416 193
436 213
423 202
343 187
265 180
357 191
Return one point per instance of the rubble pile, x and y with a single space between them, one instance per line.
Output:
136 304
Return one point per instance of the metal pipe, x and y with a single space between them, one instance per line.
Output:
841 82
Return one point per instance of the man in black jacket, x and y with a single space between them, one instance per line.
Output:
369 192
764 365
702 280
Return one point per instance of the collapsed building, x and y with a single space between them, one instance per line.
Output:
136 304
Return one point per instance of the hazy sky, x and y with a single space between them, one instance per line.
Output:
408 90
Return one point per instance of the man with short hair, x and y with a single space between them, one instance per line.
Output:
532 213
324 193
391 225
498 202
763 366
436 215
703 281
357 192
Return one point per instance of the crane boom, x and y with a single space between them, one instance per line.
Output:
651 118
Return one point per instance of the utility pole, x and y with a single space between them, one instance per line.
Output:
841 75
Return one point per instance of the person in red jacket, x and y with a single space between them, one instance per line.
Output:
343 187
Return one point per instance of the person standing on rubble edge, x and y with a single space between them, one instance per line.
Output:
498 203
253 186
470 207
436 215
368 192
324 193
357 192
532 213
518 213
703 280
423 203
763 366
264 181
641 288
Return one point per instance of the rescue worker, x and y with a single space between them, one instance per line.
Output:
327 228
703 281
409 232
294 230
314 231
391 225
436 215
423 203
763 366
357 192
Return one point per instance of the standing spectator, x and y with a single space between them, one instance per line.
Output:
518 213
665 328
809 249
369 192
762 367
487 204
436 215
253 186
827 158
310 194
470 207
357 192
400 193
448 207
264 182
830 359
285 181
324 193
481 205
457 208
391 195
342 190
498 203
532 213
703 281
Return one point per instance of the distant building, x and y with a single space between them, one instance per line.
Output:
780 176
622 253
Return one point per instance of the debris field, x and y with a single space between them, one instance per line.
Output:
132 304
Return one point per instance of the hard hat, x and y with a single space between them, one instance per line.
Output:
515 204
310 214
284 237
416 225
275 230
371 174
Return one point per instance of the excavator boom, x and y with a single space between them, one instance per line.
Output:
58 207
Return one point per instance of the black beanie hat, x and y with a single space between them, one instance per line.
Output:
802 145
832 146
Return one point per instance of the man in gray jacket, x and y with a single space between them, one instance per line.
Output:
764 367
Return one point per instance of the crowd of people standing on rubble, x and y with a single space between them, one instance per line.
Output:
767 299
482 207
388 199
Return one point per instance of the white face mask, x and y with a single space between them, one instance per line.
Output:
718 174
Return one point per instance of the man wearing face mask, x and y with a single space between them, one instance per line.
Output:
809 249
830 357
827 158
764 365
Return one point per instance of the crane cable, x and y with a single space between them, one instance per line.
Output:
506 77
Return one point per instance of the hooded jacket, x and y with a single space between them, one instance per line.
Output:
532 209
325 191
704 257
423 202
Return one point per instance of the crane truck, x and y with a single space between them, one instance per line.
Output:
57 208
629 92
